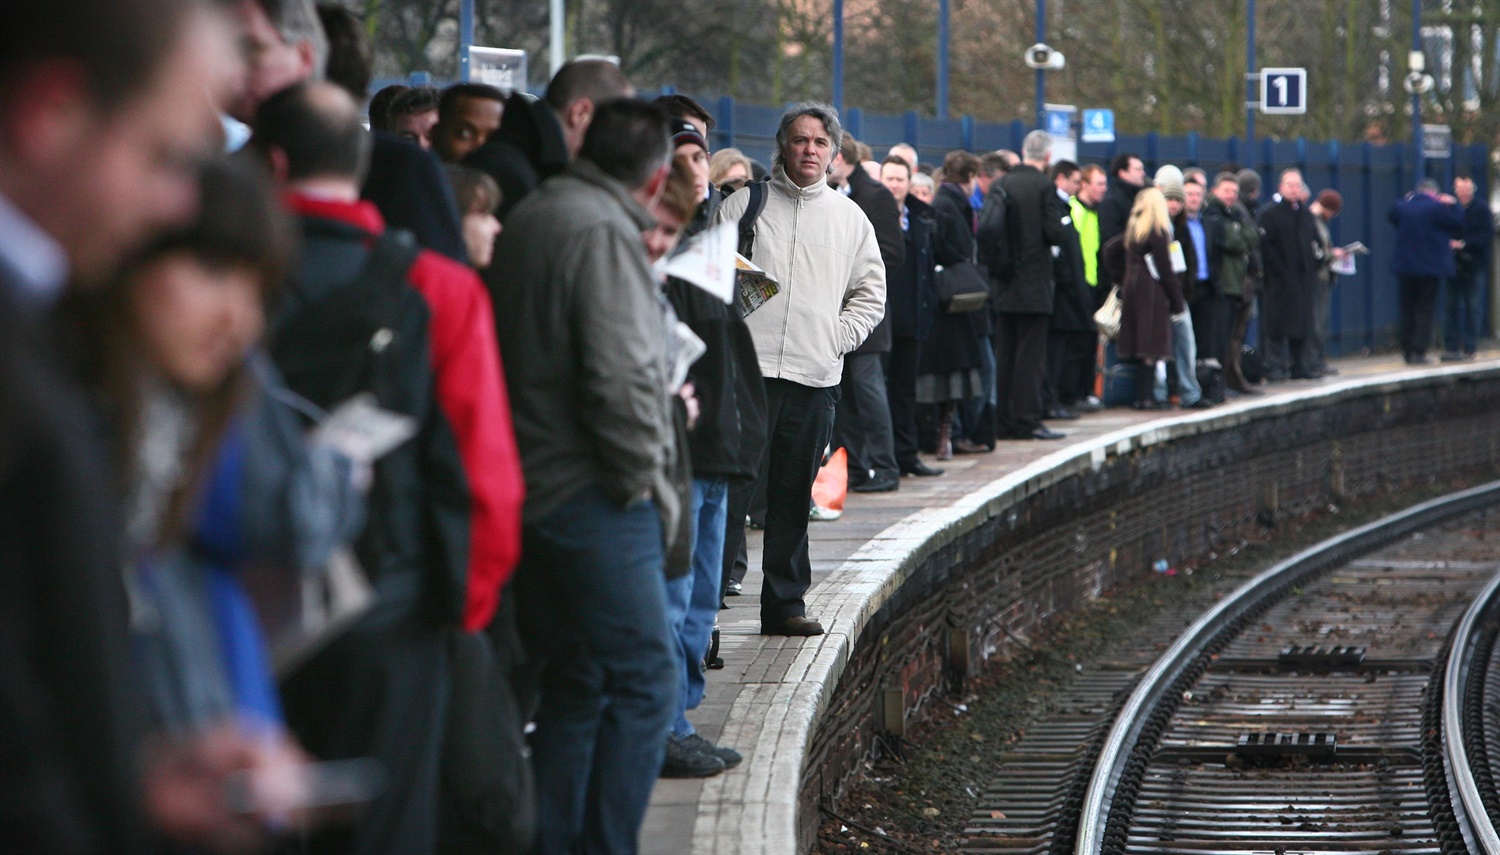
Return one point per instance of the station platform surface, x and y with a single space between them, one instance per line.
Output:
755 703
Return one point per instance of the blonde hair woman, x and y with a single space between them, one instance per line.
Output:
729 170
1140 260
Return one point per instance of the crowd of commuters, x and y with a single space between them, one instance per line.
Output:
294 560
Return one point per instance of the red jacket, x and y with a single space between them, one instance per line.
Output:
471 390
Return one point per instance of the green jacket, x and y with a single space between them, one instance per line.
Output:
1086 221
1231 235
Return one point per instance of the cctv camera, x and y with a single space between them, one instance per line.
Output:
1417 83
1038 56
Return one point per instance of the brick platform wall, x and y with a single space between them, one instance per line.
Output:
1060 545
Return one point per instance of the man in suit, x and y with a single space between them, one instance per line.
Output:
1289 253
103 113
863 421
1465 292
1426 223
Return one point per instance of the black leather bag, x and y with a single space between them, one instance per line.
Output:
962 287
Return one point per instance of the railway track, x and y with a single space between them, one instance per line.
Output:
1337 702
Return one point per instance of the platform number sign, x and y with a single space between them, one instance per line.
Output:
1283 91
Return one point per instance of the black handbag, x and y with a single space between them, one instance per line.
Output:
962 287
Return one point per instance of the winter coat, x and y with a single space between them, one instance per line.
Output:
1034 228
415 544
1289 250
578 311
1478 236
879 205
1114 209
822 252
408 186
528 149
1184 238
1147 302
471 392
911 296
954 344
1073 306
1424 227
730 433
1232 236
70 706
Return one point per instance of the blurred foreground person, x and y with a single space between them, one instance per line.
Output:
221 492
578 308
105 106
353 323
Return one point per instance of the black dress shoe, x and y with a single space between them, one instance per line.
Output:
921 470
1045 432
963 446
879 484
795 625
1061 414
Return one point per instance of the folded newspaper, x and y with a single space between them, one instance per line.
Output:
755 286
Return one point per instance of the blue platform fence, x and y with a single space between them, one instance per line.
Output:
1370 177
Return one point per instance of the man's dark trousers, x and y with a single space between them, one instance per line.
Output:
799 422
1020 372
591 595
863 422
1465 303
1418 298
901 393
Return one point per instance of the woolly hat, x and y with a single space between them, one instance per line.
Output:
1330 201
683 133
1169 181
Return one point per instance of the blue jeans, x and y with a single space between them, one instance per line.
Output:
1465 315
590 596
693 600
1185 357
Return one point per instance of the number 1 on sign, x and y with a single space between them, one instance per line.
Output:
1280 83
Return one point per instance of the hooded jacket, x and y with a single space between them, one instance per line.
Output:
821 250
527 149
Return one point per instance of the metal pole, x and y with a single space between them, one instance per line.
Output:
942 60
557 18
465 36
838 55
1041 76
1416 98
1252 93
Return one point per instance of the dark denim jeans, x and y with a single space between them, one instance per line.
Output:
799 420
590 592
1465 316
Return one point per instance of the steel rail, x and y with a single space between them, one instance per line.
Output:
1154 686
1468 807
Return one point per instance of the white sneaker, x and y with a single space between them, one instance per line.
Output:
822 514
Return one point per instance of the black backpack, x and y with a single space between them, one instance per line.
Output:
992 237
751 214
345 342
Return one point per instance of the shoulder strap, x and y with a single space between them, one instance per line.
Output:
752 213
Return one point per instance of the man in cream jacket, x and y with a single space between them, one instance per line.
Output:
821 250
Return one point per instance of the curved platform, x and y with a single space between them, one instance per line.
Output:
919 586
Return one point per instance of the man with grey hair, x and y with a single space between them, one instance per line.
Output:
284 44
821 250
1023 300
1289 254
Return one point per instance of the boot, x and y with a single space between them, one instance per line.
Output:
945 432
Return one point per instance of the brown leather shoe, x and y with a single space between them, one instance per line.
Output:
795 625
